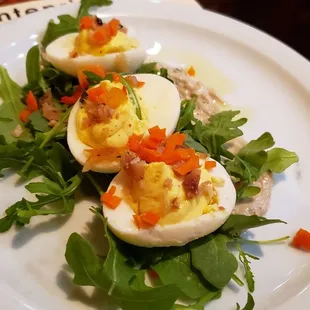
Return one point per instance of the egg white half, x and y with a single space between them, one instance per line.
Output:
162 102
120 220
57 53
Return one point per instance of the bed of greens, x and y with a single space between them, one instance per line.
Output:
198 271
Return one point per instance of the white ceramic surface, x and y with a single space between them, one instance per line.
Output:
251 71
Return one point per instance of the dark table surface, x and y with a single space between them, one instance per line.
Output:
287 20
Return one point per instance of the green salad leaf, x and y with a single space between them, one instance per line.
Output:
36 83
90 270
11 107
249 304
87 4
67 24
211 256
39 122
175 268
152 68
186 115
61 179
237 223
249 276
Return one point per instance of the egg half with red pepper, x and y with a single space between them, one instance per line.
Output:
167 194
97 43
106 115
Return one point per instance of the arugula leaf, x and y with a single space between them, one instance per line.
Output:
236 224
249 276
200 304
87 4
67 24
190 142
278 160
175 268
60 83
186 115
39 122
5 119
221 129
249 304
133 97
89 270
11 106
61 179
211 257
152 68
35 81
94 79
250 191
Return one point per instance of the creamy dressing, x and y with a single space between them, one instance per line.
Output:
207 104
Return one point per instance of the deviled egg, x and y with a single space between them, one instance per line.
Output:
167 196
97 43
104 118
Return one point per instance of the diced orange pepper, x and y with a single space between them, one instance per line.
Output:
157 134
114 26
113 98
31 101
110 199
74 98
23 115
134 142
95 92
150 218
124 89
149 143
138 221
172 142
302 240
83 82
148 155
179 155
191 71
209 164
140 84
188 166
86 22
102 35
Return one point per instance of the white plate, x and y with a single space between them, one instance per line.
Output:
252 71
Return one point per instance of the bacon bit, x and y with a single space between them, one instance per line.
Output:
175 204
96 113
157 134
150 218
24 115
48 105
132 165
116 77
168 183
221 208
210 164
74 98
302 240
52 123
73 54
31 102
87 22
152 273
191 71
110 199
132 80
191 183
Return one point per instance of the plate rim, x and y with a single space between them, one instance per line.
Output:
286 58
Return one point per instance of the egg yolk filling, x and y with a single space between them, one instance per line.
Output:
106 120
165 182
98 39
